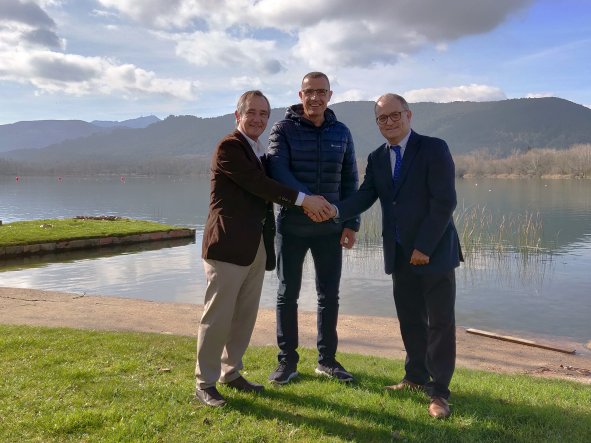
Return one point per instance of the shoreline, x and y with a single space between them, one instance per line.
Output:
377 336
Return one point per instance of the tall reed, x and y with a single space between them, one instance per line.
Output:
505 243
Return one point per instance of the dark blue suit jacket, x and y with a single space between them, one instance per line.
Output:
420 207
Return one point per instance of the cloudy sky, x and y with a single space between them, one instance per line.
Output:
120 59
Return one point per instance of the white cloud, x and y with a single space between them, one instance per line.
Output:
433 19
138 48
54 72
164 14
24 24
218 49
540 95
245 82
28 39
350 95
47 3
335 44
345 33
103 13
473 92
330 33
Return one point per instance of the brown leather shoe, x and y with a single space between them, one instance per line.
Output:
439 407
406 384
242 384
210 397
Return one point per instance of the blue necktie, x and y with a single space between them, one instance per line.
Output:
397 164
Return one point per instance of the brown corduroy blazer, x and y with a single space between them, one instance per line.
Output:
240 200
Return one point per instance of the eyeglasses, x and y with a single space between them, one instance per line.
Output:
394 116
316 92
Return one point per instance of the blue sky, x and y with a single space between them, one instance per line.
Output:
120 59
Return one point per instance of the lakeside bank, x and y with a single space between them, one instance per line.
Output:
82 232
379 336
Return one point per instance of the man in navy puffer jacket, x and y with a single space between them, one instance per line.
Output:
311 151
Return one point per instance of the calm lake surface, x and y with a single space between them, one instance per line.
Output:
541 292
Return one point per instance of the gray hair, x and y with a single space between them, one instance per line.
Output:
241 105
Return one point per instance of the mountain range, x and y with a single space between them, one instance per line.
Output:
500 127
42 133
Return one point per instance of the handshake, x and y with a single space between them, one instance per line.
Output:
318 209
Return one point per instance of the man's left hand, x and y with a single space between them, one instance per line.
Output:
348 238
418 258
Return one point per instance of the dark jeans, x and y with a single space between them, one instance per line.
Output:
327 255
425 308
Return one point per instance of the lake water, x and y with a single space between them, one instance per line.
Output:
501 286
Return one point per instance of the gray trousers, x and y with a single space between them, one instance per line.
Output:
229 315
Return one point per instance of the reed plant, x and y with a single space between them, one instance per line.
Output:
509 243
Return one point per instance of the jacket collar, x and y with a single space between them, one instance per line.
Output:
296 113
248 148
412 148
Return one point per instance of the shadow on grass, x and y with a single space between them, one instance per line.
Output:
390 416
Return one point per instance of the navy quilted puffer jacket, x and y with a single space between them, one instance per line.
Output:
313 160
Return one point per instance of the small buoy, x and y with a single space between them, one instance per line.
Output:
122 179
17 178
59 179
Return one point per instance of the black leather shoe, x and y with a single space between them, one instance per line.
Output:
210 397
242 384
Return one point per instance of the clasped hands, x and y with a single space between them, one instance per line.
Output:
318 208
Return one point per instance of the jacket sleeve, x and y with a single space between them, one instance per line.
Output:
442 198
362 199
350 179
232 161
278 157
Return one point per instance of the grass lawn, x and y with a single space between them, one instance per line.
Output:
61 385
45 231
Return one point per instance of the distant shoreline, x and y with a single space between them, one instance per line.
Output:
540 163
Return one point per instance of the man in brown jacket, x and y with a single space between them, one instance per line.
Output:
238 247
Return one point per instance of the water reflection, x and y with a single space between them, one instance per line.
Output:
76 255
543 291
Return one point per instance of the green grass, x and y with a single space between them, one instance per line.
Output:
62 385
44 231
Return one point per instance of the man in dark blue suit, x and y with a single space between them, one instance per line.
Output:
413 176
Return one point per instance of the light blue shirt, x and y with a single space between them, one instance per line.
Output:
402 145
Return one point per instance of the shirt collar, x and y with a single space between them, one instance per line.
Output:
257 147
402 143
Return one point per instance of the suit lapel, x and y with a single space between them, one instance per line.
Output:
412 148
384 163
249 151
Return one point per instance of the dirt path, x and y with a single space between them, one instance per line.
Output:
363 335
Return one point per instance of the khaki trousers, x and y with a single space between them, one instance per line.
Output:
229 315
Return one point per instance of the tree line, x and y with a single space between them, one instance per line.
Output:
574 162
